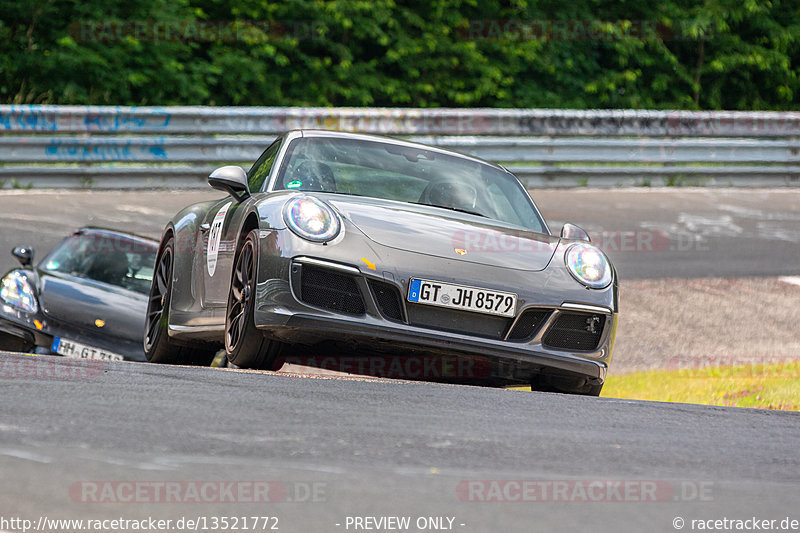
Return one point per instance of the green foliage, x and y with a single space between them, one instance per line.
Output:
681 54
15 184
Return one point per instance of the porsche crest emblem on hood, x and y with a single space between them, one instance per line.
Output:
461 251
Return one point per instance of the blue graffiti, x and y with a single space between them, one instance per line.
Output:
105 150
89 118
158 152
28 118
126 119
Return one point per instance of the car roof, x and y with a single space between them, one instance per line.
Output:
92 230
386 139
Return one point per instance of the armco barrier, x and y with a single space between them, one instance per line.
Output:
150 147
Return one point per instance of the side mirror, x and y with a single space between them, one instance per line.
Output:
24 255
231 179
571 231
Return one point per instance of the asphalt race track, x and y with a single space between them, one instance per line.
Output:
348 447
106 441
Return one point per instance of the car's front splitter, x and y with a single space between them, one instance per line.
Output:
419 348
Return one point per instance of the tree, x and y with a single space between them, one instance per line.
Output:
682 54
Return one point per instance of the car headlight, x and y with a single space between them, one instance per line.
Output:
16 290
311 219
588 265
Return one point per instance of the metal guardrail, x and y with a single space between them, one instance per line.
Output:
146 147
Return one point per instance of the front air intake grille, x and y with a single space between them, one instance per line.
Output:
528 324
388 299
456 321
575 331
331 290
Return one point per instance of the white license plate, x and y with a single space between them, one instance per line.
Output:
423 291
69 348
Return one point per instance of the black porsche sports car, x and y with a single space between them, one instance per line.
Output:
87 298
382 246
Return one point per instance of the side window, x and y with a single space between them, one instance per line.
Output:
260 170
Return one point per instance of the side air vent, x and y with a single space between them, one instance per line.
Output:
575 331
332 290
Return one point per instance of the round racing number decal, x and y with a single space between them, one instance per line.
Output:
214 237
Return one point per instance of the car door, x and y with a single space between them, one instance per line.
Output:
220 232
218 241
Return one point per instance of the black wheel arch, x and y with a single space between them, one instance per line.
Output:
250 223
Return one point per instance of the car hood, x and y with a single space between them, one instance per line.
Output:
449 234
81 302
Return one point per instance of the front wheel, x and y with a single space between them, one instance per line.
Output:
586 390
245 346
581 386
590 390
158 348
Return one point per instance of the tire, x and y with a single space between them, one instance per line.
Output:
158 348
245 346
13 343
591 390
586 390
566 387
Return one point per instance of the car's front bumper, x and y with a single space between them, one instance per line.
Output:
492 361
282 314
14 338
20 332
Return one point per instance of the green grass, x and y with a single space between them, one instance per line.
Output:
773 386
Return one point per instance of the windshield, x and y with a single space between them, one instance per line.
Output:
407 174
107 257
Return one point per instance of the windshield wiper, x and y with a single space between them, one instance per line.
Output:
460 210
343 193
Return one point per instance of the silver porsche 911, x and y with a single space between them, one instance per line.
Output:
339 246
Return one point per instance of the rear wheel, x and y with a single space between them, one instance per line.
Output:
158 348
245 346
